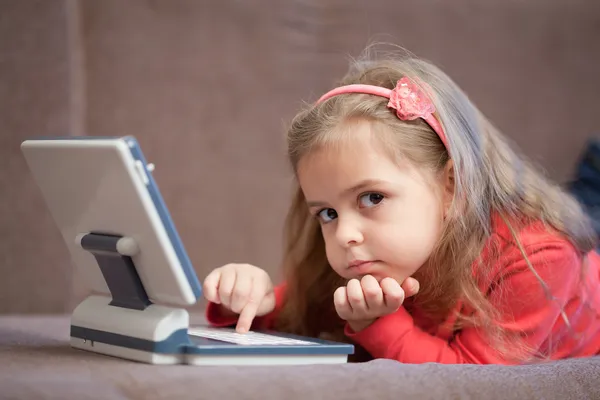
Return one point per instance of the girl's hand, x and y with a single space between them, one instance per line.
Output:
243 289
360 303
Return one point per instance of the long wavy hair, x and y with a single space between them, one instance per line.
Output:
489 177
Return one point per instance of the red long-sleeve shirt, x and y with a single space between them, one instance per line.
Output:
524 305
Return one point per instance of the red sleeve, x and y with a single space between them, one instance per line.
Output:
215 318
522 302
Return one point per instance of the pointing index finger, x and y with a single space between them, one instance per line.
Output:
246 317
257 293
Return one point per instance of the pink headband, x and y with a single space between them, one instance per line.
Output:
406 98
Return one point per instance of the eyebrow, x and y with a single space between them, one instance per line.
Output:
359 186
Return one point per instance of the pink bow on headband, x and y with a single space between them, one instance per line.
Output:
409 101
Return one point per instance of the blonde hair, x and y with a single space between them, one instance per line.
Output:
489 177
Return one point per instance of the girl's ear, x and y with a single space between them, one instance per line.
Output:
448 185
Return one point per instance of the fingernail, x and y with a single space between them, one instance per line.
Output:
415 286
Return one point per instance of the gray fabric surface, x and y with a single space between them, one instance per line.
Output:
37 363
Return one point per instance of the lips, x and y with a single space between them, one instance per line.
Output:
361 267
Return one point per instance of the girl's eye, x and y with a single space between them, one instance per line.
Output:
327 214
370 199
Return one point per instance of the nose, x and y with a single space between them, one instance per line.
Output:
348 232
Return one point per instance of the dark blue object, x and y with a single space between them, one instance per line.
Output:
118 270
586 185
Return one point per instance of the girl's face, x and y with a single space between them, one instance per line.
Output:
378 217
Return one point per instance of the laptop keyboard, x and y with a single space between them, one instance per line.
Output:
250 338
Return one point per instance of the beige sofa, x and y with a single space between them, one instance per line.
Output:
207 87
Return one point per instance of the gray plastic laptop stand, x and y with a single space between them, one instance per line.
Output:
127 324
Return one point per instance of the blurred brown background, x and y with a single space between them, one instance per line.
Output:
207 87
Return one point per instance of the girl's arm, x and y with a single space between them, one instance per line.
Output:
523 303
217 315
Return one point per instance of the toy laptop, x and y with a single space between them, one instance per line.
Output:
104 200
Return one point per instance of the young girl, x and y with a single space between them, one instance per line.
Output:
419 235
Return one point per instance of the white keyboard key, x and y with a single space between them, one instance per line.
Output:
250 338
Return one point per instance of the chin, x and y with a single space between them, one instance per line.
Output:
378 277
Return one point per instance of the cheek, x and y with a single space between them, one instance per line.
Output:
333 251
336 257
412 233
